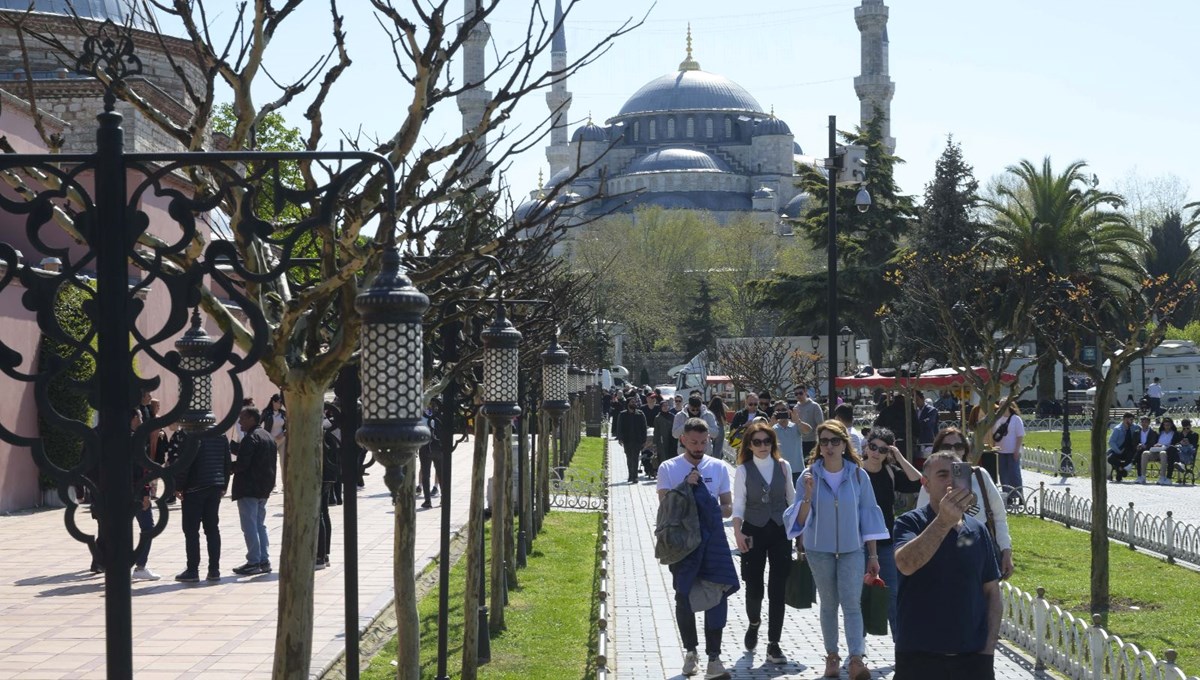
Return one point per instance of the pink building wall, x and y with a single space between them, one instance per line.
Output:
19 488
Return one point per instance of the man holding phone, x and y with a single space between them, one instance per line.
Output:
948 609
787 433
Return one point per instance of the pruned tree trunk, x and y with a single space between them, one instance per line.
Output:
1099 545
510 513
408 624
302 479
500 509
471 632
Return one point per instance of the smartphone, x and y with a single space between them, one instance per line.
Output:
960 476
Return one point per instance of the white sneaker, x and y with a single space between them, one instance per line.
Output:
144 574
1141 480
1129 467
690 663
1163 481
716 671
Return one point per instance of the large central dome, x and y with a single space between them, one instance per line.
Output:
690 90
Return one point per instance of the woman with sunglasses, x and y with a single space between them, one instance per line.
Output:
838 521
890 473
952 439
762 491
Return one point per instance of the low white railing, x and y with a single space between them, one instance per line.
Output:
1066 643
1178 541
1049 462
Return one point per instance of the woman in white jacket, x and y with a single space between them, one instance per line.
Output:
952 439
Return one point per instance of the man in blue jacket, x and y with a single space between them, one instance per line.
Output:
711 562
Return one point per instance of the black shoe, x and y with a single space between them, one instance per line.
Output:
320 563
775 654
213 575
434 492
264 567
247 569
426 505
752 636
188 576
487 514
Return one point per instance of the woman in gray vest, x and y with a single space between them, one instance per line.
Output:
762 490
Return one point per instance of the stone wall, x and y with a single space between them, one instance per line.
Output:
656 363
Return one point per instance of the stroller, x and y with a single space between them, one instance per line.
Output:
649 462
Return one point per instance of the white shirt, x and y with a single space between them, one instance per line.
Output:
856 438
713 472
1016 429
1154 391
766 467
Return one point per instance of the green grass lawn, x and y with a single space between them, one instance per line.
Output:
589 455
550 619
1152 602
1081 444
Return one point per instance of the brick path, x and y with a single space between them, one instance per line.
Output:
52 607
644 636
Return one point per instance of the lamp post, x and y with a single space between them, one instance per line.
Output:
846 337
1066 466
196 389
835 169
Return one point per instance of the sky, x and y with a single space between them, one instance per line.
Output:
1106 82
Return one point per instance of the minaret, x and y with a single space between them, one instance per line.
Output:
875 87
473 100
558 99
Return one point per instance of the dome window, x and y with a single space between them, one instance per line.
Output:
637 131
691 127
728 127
653 129
708 127
670 128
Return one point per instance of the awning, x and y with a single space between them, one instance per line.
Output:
938 378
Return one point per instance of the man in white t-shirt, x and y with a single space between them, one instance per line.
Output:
694 468
1154 394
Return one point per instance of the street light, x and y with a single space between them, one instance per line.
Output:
846 337
501 365
392 425
839 172
193 349
554 379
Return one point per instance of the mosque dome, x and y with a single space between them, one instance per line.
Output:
691 90
764 192
678 160
771 126
590 133
117 10
797 207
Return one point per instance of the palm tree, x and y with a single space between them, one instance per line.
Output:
1064 222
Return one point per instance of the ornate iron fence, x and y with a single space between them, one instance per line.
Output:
576 488
1058 639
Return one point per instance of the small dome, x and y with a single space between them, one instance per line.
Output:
117 10
797 207
677 159
558 177
590 133
690 91
533 210
796 149
764 192
771 126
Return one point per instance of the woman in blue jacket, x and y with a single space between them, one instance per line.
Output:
838 521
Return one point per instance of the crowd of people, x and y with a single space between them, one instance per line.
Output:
1136 445
800 489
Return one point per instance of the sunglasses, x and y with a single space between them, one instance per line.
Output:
957 446
761 441
881 447
835 441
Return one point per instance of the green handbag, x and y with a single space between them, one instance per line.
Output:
875 599
801 589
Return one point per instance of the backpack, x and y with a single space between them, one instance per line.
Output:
677 528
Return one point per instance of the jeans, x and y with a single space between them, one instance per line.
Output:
200 508
887 572
769 543
324 523
253 514
145 520
430 461
714 625
633 456
839 578
1010 470
923 666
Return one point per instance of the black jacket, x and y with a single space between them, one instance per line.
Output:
210 467
254 469
744 416
631 428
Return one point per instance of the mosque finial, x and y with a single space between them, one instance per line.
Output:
772 111
540 192
689 64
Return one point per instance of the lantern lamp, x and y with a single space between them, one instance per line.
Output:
554 378
194 347
391 365
501 364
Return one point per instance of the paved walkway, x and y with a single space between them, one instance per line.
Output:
1182 501
643 629
52 607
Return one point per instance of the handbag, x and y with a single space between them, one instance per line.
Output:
1002 431
875 599
800 589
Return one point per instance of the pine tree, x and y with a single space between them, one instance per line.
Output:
700 328
948 221
1171 254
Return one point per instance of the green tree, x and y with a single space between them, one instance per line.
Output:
1069 226
867 245
63 447
700 329
1171 254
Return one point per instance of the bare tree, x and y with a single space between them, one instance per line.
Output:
756 364
313 326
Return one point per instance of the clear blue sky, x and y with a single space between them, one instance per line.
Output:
1108 82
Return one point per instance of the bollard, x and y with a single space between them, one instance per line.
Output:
1040 611
1041 500
1169 528
1129 524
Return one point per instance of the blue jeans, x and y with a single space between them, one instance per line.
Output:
887 572
839 578
1010 470
253 513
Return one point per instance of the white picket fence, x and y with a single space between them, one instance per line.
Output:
1066 643
1177 541
1050 462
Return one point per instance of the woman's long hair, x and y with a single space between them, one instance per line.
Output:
946 432
716 406
745 452
836 428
